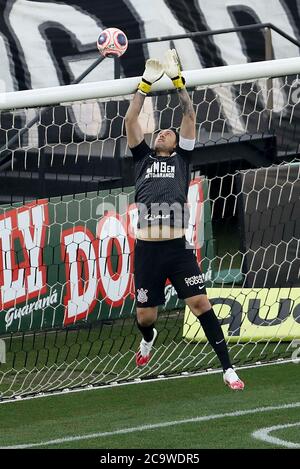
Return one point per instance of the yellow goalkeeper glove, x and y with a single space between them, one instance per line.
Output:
173 70
153 72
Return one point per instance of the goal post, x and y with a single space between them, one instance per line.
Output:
67 317
126 86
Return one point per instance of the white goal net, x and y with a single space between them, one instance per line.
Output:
67 230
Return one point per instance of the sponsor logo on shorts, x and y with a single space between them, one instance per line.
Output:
194 280
142 296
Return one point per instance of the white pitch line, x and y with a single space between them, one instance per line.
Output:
154 426
137 381
263 434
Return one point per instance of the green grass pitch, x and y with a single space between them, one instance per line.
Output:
114 415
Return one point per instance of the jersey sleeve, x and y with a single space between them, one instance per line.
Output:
185 147
141 150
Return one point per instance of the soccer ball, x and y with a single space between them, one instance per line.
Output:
112 42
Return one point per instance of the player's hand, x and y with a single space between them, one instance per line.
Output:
172 68
153 72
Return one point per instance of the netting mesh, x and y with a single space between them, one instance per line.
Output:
66 280
73 133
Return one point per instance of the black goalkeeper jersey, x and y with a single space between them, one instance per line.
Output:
161 186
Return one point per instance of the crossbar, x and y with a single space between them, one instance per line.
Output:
127 86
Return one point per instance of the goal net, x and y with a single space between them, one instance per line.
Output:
68 220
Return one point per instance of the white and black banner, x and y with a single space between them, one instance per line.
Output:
46 43
50 43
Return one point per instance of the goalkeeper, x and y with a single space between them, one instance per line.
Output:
161 251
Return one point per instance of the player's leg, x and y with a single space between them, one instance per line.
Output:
149 285
187 279
202 309
146 318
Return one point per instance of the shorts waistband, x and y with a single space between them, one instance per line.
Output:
174 241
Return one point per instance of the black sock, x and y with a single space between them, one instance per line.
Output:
215 337
147 331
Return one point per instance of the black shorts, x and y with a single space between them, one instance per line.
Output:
157 261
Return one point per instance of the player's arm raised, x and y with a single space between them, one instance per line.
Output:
153 72
173 70
188 123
